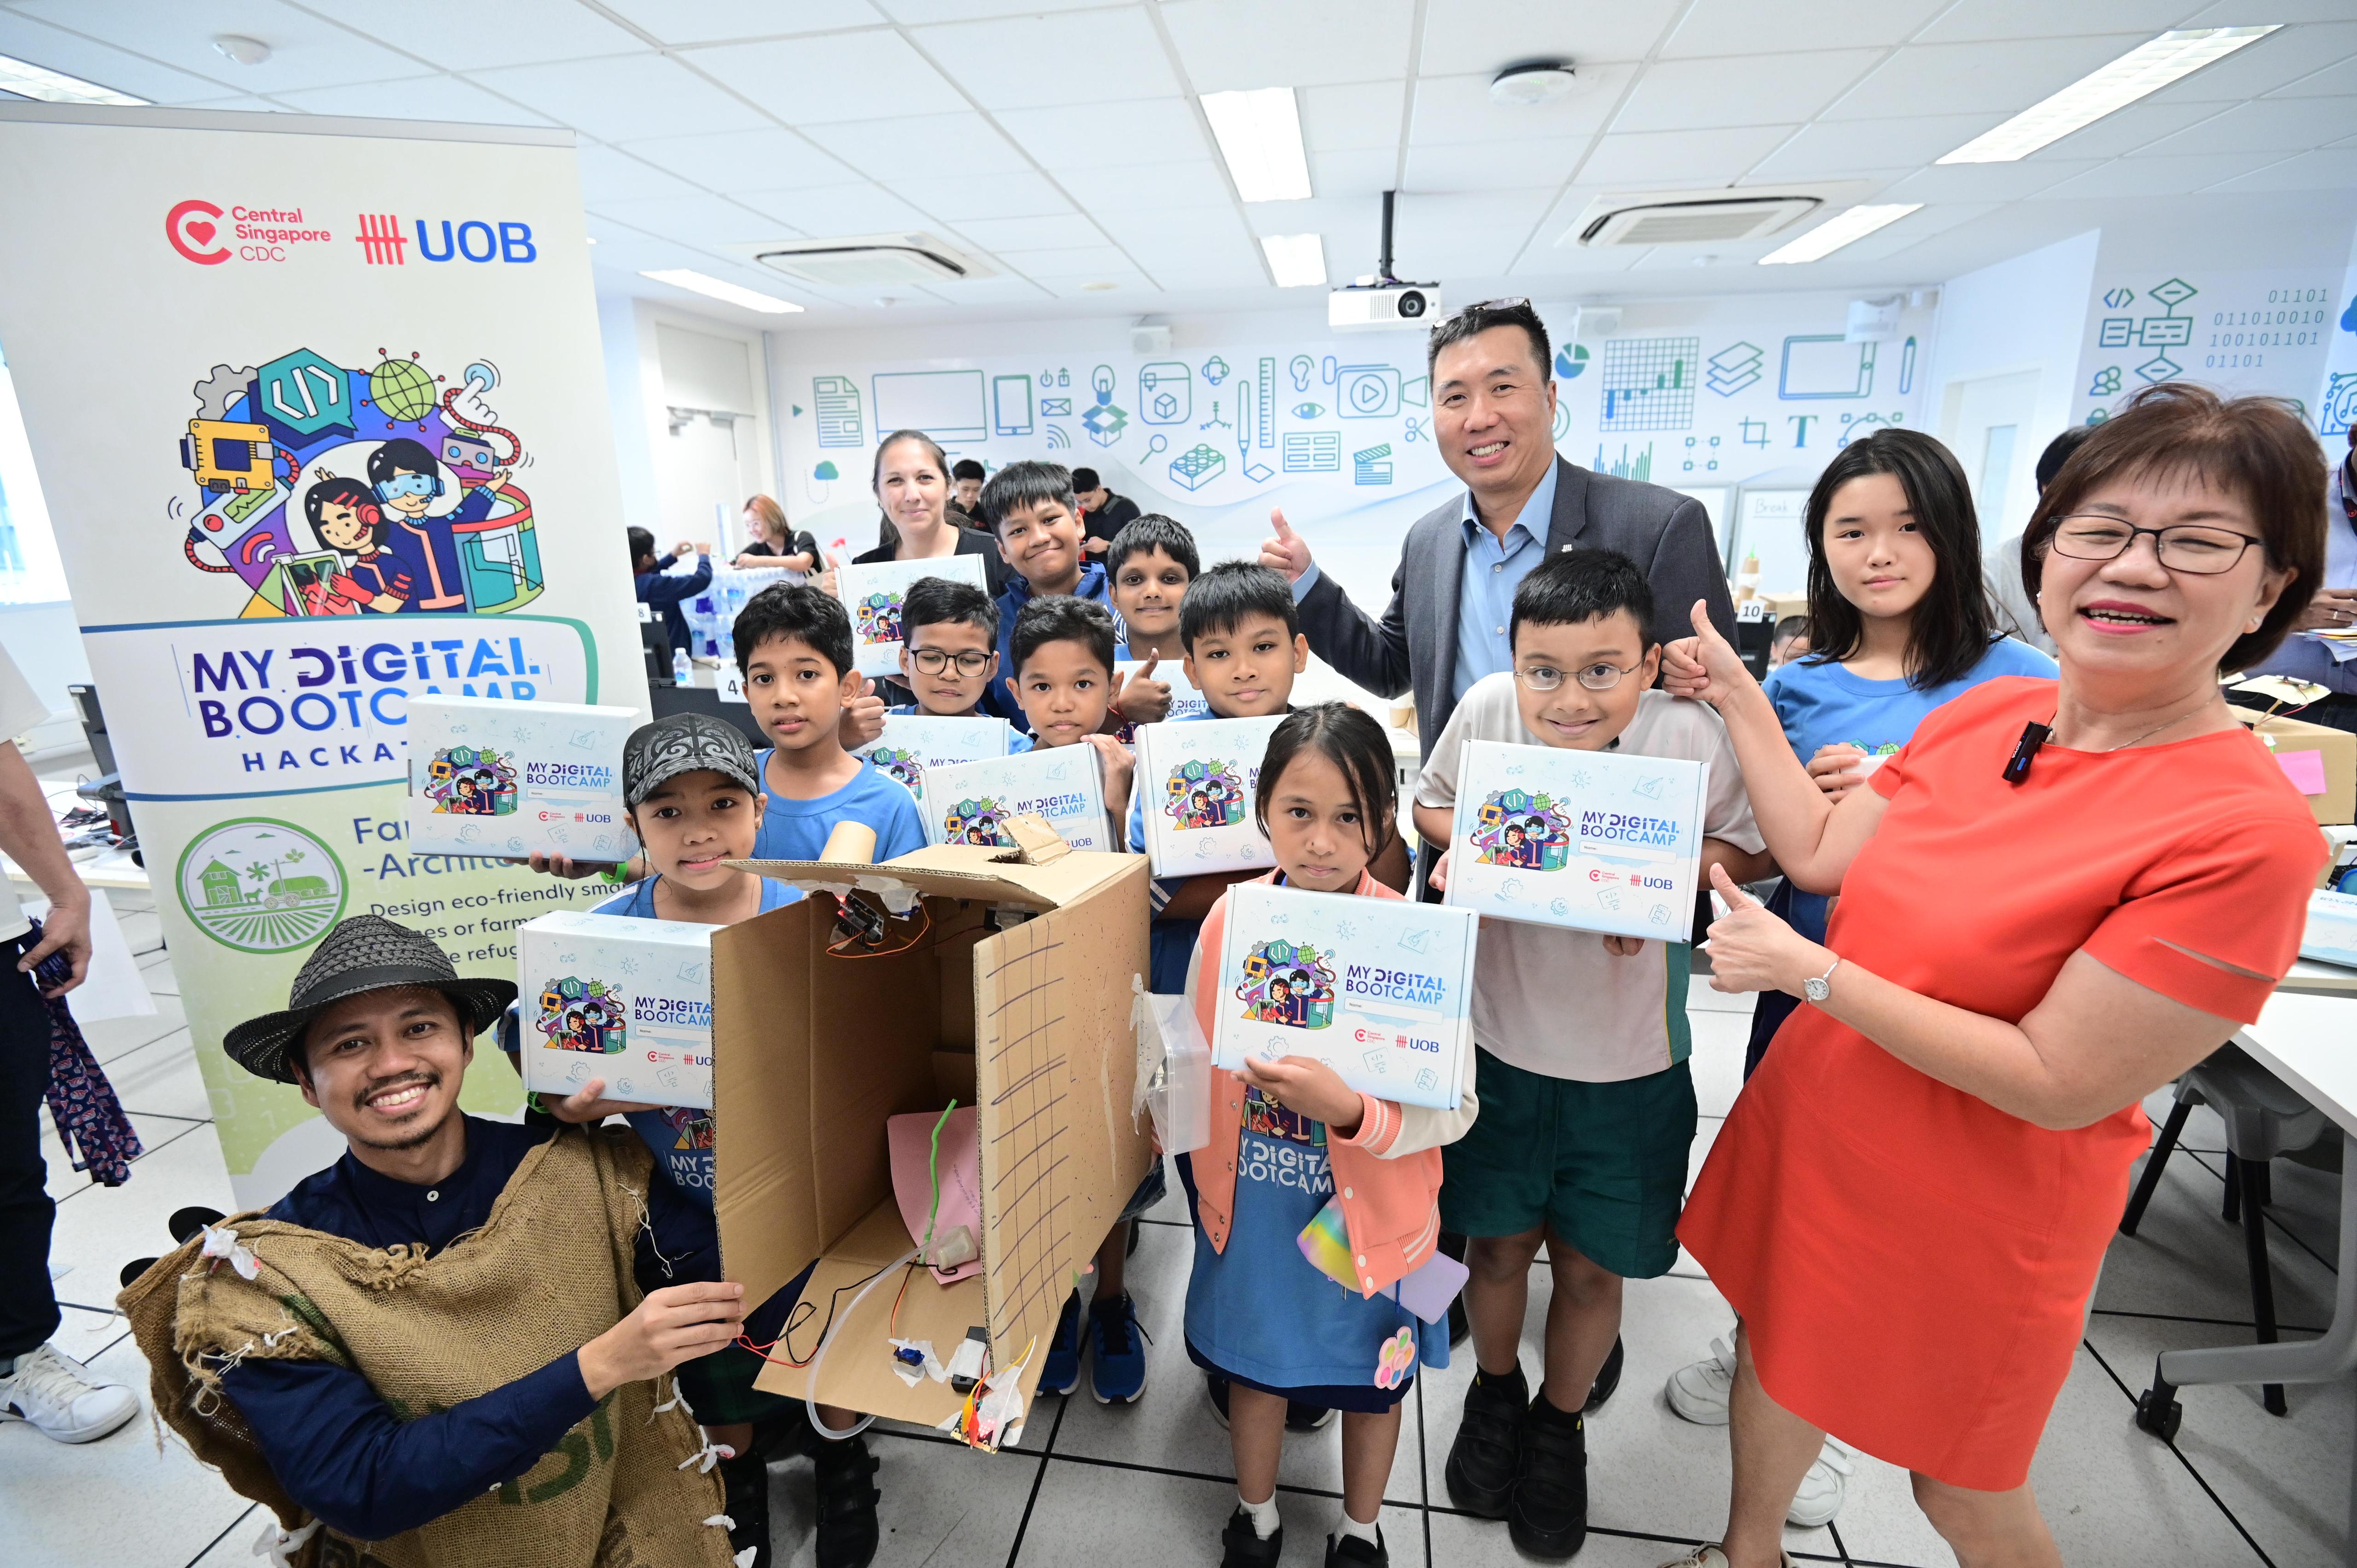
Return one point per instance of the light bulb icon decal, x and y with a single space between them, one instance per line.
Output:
1301 367
1100 383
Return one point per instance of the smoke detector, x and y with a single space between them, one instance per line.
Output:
1533 81
865 261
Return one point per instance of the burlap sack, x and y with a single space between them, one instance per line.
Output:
548 1271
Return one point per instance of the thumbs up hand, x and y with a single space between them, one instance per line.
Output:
1705 666
1139 697
1751 949
1287 552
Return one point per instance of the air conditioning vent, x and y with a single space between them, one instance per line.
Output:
866 261
1642 221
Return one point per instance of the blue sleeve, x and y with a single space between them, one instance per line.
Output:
343 1454
1017 742
1138 824
666 588
474 508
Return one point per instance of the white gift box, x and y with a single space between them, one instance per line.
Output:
873 593
1186 702
914 744
625 1000
2332 934
1378 989
1588 840
1197 781
496 778
969 802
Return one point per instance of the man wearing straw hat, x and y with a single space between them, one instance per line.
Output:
449 1347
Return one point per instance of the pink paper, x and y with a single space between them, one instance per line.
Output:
2305 769
910 1138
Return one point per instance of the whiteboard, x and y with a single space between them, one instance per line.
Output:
1773 525
945 405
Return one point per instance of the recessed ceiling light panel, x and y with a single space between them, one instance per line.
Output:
1259 134
1842 229
2143 69
725 292
25 80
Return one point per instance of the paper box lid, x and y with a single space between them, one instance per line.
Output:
967 871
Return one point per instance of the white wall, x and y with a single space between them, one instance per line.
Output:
633 331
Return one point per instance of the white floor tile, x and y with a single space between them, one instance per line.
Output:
162 1079
141 929
99 1229
1463 1543
65 1182
112 1037
1718 1060
1087 1516
942 1503
2185 1260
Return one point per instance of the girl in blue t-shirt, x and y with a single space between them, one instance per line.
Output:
1900 622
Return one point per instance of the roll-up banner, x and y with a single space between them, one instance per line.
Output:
318 409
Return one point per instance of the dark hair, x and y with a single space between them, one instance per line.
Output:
1219 599
2058 452
1476 319
936 601
1575 585
2254 447
351 493
642 545
940 458
1024 485
967 469
1059 618
400 452
1789 626
1084 479
797 611
1359 749
1954 622
1152 531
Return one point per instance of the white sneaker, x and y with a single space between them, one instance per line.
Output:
1714 1557
1699 1393
1820 1497
60 1397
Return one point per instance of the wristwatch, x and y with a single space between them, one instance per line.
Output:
1818 987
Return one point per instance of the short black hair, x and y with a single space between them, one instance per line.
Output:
1476 319
1360 749
642 544
1024 485
403 453
2058 452
1575 585
1085 479
967 469
1060 617
347 493
1149 532
797 611
1219 599
1789 626
935 601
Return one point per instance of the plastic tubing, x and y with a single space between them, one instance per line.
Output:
810 1402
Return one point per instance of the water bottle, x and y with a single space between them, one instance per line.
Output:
682 672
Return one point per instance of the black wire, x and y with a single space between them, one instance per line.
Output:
803 1311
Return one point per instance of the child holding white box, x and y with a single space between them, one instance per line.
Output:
1590 1111
1286 1137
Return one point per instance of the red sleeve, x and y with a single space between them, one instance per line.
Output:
2239 895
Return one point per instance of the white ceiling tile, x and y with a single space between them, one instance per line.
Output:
1148 130
447 98
1201 235
1963 79
1230 44
1984 182
1043 262
607 174
844 76
2333 80
1095 57
729 161
1973 21
237 103
860 208
1495 166
1014 193
694 218
623 98
2276 60
1127 281
1746 27
1683 158
1359 171
1483 36
2268 125
1452 109
628 249
2237 13
453 34
1440 235
2157 177
1248 274
1358 217
1696 94
1062 231
304 50
924 146
2126 131
2327 168
1838 149
704 21
105 65
1353 116
1199 184
1914 228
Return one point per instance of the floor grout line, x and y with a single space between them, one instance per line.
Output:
2191 1468
2276 1222
2213 1322
1039 1476
100 1187
217 1540
1174 1473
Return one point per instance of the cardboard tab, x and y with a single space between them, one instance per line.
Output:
1041 844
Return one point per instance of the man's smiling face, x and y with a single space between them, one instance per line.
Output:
1494 408
384 1067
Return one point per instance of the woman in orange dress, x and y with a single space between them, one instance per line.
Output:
1910 1200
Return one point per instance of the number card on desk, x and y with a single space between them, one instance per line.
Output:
969 802
1582 839
1198 781
873 594
912 744
1378 989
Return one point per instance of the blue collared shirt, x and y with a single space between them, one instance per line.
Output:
2305 656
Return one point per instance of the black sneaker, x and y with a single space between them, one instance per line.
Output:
1482 1460
848 1497
747 1482
1546 1513
1300 1417
1607 1377
1215 1389
1240 1548
1347 1551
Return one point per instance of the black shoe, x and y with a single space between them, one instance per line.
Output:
848 1497
785 1434
746 1481
1344 1551
1240 1548
187 1222
1300 1417
1546 1513
1215 1389
1481 1461
1607 1377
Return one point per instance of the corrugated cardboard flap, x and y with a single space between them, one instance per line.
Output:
968 871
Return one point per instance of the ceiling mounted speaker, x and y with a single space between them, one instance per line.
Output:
866 261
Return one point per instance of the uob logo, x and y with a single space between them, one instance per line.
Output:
192 227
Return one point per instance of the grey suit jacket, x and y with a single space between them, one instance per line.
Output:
1415 644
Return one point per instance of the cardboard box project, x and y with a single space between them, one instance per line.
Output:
1198 781
501 778
1378 989
627 1001
1582 838
2321 761
873 596
970 803
1014 995
1186 702
912 744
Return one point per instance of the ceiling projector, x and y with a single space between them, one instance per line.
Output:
1380 302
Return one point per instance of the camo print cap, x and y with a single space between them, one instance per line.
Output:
685 742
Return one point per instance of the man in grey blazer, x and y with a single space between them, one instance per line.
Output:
1493 399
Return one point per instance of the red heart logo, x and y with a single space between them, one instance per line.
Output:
201 232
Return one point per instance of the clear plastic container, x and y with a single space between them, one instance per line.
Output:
1178 1094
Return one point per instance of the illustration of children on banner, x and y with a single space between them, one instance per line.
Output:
582 1015
1288 984
405 489
1204 794
1516 828
982 822
878 618
470 782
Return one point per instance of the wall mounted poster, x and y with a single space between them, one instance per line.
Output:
1198 781
1582 839
321 428
969 802
873 596
913 743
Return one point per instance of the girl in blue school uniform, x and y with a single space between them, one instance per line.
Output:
1284 1135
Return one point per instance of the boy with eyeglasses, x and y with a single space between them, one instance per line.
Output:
949 654
1586 1114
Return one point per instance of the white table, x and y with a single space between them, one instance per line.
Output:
2309 1041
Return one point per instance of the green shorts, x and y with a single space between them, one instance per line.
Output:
1604 1164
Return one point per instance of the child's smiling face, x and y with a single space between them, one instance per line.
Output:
948 691
694 824
342 528
795 692
1042 542
1246 671
1571 715
1064 691
1146 591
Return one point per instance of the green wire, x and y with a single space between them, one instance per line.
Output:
934 1164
